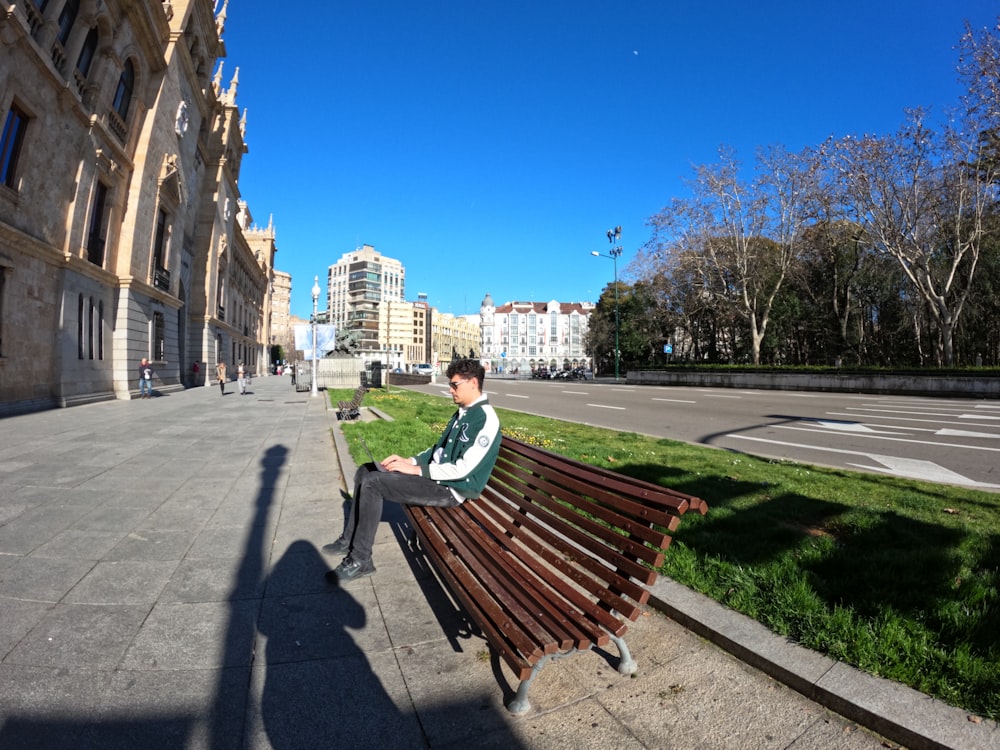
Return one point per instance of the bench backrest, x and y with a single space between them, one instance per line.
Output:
604 532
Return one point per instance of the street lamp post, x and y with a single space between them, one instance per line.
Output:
315 293
614 236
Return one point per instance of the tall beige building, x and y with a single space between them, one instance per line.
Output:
357 285
122 233
453 337
282 331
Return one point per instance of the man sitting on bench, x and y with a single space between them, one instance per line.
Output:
455 468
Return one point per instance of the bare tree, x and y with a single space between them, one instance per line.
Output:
742 237
924 197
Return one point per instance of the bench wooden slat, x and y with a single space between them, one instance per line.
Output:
540 492
518 592
467 590
628 486
552 567
568 609
512 592
587 573
566 479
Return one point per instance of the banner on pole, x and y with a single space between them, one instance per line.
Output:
326 339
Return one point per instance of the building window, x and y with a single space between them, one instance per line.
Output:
79 327
123 94
95 236
10 145
159 337
100 329
86 58
66 20
3 282
161 276
91 311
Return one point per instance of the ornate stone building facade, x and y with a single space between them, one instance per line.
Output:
122 234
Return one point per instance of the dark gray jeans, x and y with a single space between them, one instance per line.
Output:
371 489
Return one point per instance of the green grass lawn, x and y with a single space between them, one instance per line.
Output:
894 576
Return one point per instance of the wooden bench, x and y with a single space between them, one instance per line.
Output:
351 409
553 558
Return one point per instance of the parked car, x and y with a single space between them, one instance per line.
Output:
424 369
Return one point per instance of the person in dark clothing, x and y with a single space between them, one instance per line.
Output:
145 379
452 470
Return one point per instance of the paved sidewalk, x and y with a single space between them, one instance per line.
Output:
161 586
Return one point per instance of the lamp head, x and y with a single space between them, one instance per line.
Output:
594 252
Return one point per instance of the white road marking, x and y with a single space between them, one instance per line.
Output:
907 419
917 469
965 433
605 406
516 395
906 467
841 426
882 436
675 400
577 393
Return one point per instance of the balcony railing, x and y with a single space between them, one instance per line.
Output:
117 125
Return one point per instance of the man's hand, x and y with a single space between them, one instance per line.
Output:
400 464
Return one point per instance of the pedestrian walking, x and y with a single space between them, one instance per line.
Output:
241 378
145 379
220 375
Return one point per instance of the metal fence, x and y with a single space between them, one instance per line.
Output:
336 372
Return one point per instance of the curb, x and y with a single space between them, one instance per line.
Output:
893 710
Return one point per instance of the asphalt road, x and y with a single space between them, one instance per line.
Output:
952 441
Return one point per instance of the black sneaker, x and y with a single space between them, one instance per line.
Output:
339 547
350 569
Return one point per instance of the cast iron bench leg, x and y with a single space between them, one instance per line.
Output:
520 703
626 664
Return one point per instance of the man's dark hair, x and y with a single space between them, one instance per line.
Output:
467 368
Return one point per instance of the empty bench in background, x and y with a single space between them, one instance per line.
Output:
352 409
554 557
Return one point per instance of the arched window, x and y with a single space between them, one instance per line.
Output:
123 94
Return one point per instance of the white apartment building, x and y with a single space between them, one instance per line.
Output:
522 336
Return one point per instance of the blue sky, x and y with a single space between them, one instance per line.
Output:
489 146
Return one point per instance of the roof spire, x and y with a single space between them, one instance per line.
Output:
217 80
220 20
